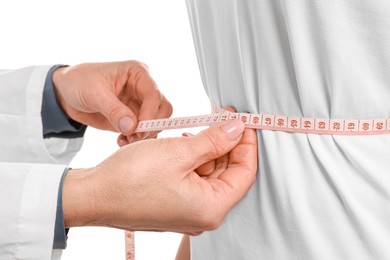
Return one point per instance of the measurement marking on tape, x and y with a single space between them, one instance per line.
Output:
305 125
129 245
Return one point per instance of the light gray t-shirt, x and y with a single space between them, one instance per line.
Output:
316 196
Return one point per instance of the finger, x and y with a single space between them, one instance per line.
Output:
214 168
122 140
154 106
230 108
165 111
118 114
134 105
206 169
151 135
247 148
215 141
221 164
185 134
135 138
183 251
143 135
235 181
145 90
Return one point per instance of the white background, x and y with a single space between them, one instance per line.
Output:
77 31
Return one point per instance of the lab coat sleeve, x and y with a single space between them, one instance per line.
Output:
21 130
30 167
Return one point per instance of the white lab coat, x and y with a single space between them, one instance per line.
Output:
316 197
30 167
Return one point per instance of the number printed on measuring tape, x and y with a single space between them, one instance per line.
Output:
307 125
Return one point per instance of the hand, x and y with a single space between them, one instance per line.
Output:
110 96
185 184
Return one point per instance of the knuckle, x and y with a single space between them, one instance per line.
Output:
140 77
253 173
169 108
213 224
250 175
196 233
209 217
155 94
254 177
114 111
210 222
214 144
144 65
140 65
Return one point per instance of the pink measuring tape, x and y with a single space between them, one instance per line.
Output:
306 125
129 245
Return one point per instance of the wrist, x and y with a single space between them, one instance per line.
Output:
58 79
79 199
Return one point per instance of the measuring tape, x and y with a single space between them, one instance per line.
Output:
307 125
129 245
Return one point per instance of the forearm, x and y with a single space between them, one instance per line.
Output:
80 202
183 252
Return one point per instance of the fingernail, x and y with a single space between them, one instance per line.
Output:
132 139
186 134
122 142
233 128
126 124
143 135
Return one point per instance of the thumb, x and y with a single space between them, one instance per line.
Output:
119 115
216 141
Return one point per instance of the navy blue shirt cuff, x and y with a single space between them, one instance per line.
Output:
57 124
60 232
54 120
